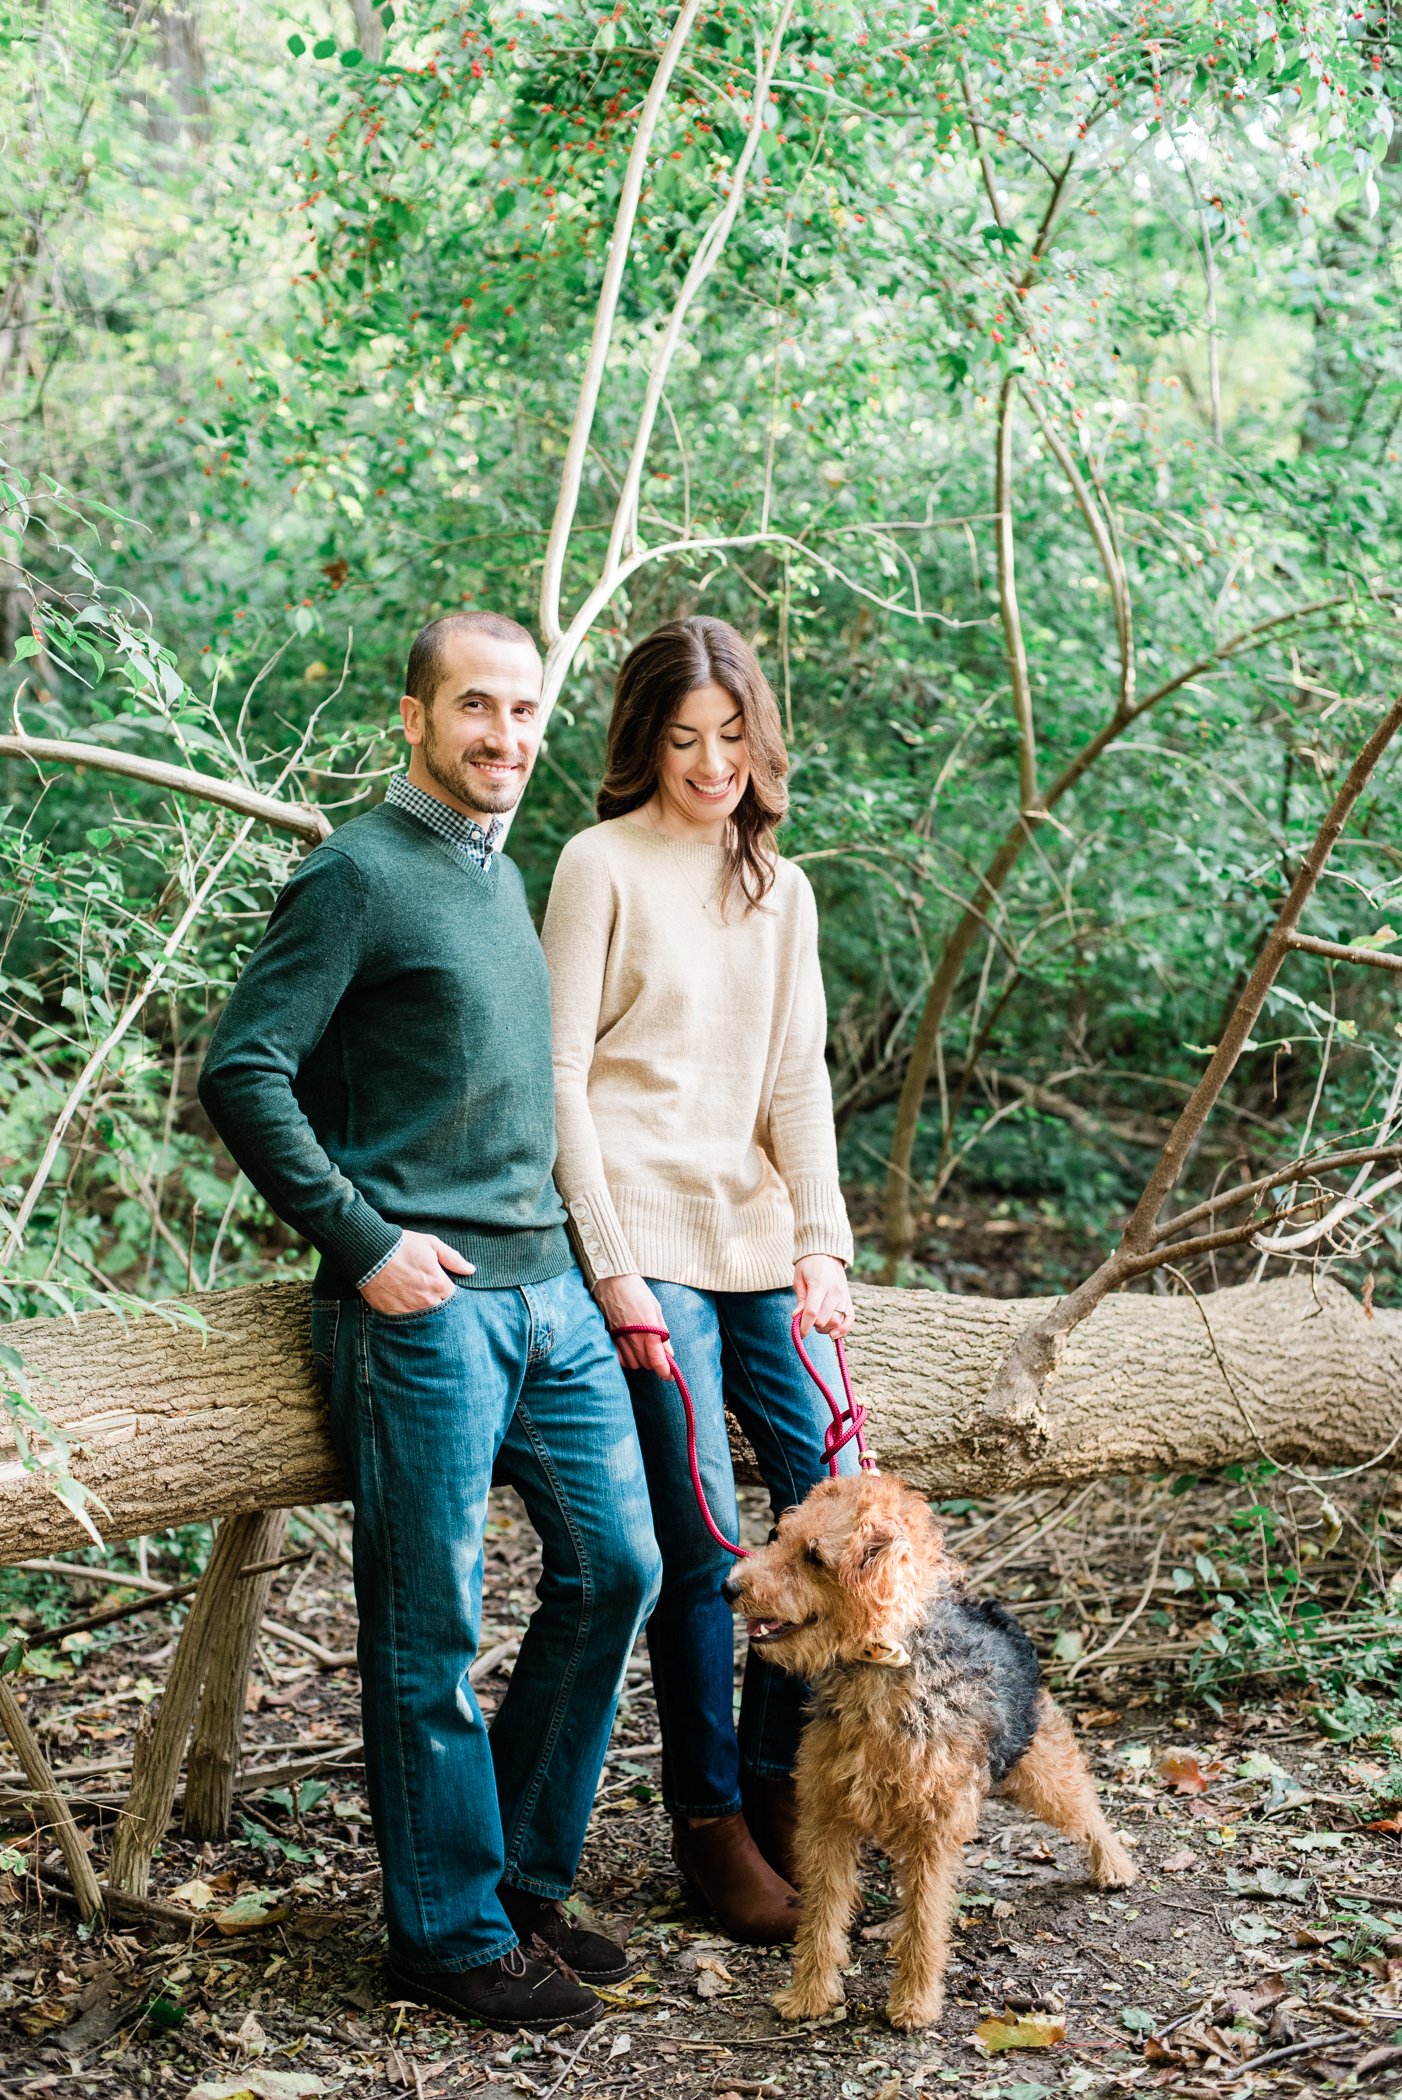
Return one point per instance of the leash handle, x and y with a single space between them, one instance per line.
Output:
848 1422
660 1334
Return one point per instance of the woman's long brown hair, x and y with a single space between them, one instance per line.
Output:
653 681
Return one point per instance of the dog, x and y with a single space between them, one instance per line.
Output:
925 1702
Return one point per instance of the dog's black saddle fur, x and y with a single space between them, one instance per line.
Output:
972 1662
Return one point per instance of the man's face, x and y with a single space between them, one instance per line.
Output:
475 746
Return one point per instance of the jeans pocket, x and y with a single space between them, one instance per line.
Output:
409 1319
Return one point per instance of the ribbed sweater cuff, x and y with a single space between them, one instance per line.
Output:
599 1238
362 1242
820 1219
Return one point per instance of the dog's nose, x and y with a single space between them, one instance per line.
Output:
730 1590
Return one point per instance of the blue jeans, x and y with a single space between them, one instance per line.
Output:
423 1407
734 1350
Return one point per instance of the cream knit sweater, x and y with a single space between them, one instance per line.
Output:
692 1102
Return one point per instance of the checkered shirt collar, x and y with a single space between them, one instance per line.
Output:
476 842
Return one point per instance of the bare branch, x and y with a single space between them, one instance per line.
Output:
1014 1405
590 385
1008 605
1110 559
622 539
1340 951
898 1225
1312 1164
154 977
304 821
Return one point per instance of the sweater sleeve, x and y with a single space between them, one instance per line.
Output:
276 1015
802 1139
575 936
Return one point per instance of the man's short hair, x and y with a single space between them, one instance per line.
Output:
425 669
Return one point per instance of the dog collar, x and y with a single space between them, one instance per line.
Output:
887 1655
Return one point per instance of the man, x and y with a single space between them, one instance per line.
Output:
382 1075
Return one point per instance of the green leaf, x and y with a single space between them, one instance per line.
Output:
296 45
325 47
26 646
352 57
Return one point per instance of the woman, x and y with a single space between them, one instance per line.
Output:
698 1162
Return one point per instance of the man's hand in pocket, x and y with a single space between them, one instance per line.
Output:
416 1276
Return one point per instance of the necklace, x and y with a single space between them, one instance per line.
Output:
680 866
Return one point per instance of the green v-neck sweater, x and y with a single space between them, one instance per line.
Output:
384 1059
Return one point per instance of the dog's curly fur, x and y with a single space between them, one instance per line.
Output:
925 1702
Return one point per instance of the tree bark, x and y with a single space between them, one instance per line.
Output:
178 1425
162 1733
214 1748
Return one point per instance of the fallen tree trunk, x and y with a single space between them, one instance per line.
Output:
177 1424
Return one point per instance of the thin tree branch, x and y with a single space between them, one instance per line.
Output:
114 1036
1310 1164
591 383
898 1220
1340 951
622 539
1013 1406
1110 559
1008 606
304 821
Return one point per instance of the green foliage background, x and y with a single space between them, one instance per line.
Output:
293 310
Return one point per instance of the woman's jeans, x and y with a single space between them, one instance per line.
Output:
423 1407
734 1350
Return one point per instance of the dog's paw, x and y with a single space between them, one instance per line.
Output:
805 2002
911 2013
1111 1866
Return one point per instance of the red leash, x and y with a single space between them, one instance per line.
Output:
847 1422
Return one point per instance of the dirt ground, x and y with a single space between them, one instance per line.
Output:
1260 1952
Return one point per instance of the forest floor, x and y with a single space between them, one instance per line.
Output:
1261 1951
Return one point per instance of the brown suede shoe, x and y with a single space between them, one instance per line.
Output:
771 1810
593 1956
514 1991
721 1863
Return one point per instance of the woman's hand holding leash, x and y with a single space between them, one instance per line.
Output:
824 1295
626 1301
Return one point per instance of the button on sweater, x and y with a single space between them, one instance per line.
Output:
384 1060
692 1099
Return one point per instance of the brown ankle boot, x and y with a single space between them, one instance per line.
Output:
721 1863
771 1811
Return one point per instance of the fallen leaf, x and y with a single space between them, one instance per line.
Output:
1391 1824
1019 2031
1099 1716
1269 1881
1184 1773
251 1912
250 2035
712 1977
1380 2059
261 2085
1180 1862
1157 2052
620 2045
198 1894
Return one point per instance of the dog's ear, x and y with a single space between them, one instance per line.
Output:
872 1550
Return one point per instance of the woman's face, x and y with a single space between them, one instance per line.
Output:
705 766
